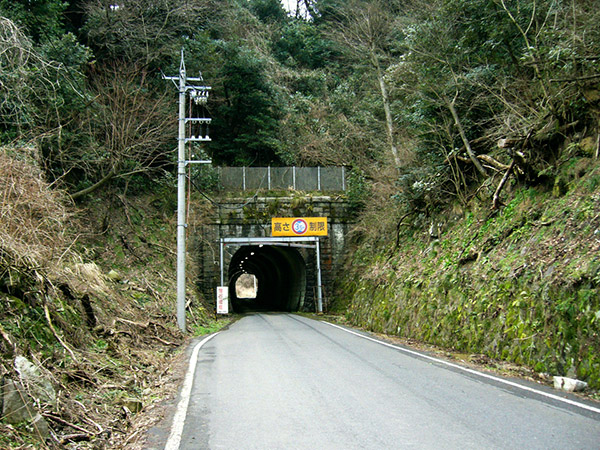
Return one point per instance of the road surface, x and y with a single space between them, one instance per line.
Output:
280 381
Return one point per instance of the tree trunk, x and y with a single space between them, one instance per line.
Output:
598 141
466 142
496 200
98 185
386 107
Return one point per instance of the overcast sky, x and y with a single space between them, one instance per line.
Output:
289 5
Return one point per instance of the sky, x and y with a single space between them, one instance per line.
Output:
289 5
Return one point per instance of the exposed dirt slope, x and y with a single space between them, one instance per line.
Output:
87 297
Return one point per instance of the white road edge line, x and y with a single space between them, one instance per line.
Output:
473 372
179 418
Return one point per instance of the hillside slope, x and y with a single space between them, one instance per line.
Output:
87 306
519 284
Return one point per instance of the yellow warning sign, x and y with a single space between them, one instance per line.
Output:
299 226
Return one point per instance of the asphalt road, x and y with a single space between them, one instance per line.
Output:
279 381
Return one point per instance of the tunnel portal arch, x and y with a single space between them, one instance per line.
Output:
280 270
280 274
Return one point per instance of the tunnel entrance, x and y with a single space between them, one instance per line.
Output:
280 275
278 270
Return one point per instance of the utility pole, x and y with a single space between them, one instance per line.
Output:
199 94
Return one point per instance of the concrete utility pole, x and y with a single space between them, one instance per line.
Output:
199 94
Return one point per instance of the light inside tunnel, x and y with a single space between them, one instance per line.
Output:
280 278
246 286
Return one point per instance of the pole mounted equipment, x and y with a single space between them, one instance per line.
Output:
198 93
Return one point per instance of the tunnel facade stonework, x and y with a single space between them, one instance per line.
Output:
251 218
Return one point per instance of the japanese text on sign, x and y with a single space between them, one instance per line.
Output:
299 226
222 300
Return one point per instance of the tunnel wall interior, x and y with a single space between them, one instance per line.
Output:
280 273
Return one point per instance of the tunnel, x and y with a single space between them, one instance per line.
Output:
280 278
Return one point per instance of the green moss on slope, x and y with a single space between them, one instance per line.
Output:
521 285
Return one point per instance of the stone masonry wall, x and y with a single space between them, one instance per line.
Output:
243 217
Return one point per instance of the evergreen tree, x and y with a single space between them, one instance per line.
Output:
246 120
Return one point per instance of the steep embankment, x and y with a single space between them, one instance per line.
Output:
521 284
87 328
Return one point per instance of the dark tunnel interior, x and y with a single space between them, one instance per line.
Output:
281 278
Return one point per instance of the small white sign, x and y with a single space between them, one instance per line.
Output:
222 300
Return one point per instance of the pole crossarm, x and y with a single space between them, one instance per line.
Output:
202 161
194 139
197 139
198 119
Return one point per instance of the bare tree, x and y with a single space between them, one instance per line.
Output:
26 79
15 53
144 31
131 125
365 29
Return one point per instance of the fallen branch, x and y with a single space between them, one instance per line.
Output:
130 322
164 247
131 437
572 80
151 290
398 225
519 161
98 185
129 248
58 338
496 201
493 162
126 210
164 342
146 290
145 326
128 333
7 338
510 142
78 437
91 422
68 424
466 142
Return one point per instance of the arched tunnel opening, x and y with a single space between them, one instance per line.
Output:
280 278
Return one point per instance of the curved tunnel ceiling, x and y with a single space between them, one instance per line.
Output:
280 274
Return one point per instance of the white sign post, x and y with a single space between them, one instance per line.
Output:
222 300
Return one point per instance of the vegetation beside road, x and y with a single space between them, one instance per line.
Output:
521 284
88 297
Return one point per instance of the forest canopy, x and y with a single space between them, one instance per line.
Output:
434 99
